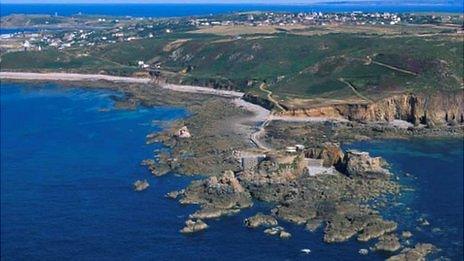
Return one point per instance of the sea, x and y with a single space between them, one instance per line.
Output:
69 158
176 10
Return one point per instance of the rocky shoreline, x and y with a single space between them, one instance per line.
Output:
338 203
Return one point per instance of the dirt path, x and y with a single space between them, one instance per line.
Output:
259 120
354 90
394 68
369 60
262 87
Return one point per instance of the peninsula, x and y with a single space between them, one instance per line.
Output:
272 97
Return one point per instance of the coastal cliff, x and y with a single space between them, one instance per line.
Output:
432 109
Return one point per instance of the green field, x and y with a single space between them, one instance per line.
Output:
293 66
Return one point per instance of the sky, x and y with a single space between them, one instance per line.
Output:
232 1
449 2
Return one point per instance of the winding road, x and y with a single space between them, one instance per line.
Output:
262 87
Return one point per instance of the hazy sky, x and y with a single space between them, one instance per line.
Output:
450 2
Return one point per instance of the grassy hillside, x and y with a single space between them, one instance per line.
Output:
293 66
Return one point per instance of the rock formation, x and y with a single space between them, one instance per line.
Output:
194 225
278 231
419 252
330 153
361 164
217 196
140 185
419 108
389 243
260 220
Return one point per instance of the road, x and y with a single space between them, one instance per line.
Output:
269 96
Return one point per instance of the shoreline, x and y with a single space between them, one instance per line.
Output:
196 124
77 77
260 120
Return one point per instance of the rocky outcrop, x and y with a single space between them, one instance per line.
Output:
213 212
330 153
419 252
217 196
313 224
388 243
175 194
363 251
260 220
265 103
278 231
194 225
367 226
361 164
183 133
406 234
155 169
376 228
140 185
297 212
431 109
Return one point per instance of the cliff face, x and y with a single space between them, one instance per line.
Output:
265 103
431 109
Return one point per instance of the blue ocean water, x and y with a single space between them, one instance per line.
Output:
170 10
434 169
66 172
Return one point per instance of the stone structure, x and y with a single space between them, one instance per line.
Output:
316 166
250 162
183 133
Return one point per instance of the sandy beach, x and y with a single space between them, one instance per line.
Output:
29 76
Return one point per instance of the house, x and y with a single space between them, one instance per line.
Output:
290 149
26 45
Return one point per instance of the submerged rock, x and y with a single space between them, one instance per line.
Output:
175 194
260 220
423 222
140 185
363 251
273 230
285 235
388 243
419 252
406 234
278 231
208 212
152 138
194 225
